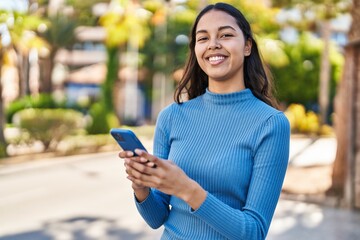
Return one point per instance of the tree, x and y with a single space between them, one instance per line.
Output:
2 115
59 34
298 80
19 29
346 175
324 11
126 26
82 10
22 29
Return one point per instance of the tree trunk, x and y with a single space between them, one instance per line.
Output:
325 73
342 117
111 78
346 170
355 165
2 115
23 68
46 68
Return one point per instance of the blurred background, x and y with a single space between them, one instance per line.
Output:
72 70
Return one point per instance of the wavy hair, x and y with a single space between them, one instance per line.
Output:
195 81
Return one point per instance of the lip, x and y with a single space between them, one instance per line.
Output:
215 59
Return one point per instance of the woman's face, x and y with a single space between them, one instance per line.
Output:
220 49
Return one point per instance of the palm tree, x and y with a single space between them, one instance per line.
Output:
22 28
59 34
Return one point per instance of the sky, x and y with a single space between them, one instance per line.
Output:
14 5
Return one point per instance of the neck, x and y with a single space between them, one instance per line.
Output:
223 87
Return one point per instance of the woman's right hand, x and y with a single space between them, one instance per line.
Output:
141 191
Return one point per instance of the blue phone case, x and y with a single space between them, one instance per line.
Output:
126 139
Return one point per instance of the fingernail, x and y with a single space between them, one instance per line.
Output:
138 151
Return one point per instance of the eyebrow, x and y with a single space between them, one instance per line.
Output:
220 28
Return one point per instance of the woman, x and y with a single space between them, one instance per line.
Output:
227 146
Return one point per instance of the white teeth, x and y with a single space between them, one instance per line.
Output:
216 58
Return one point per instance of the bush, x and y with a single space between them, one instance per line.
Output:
39 101
302 121
48 125
101 120
306 122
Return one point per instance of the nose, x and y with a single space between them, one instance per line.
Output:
214 44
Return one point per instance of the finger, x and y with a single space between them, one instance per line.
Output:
137 183
137 168
150 164
147 157
124 154
143 181
135 159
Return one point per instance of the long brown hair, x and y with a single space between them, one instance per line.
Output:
195 81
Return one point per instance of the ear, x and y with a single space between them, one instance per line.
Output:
247 49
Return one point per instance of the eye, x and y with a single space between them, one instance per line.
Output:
201 39
226 35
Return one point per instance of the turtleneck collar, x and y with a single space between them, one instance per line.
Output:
227 98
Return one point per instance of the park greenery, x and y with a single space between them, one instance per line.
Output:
157 31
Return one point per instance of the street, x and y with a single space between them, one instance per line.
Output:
88 197
78 197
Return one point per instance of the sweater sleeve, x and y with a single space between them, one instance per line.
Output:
271 153
155 208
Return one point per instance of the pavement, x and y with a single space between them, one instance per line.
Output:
292 219
306 152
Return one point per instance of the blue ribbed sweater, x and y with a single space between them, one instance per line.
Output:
236 147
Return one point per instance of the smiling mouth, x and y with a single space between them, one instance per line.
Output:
216 59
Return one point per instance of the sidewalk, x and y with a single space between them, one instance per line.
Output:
309 174
305 152
294 220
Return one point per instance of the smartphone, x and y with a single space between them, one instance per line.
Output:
127 139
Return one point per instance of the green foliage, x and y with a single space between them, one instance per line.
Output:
39 101
49 125
60 31
261 17
2 150
324 9
163 52
102 120
127 26
273 52
22 28
83 11
298 82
